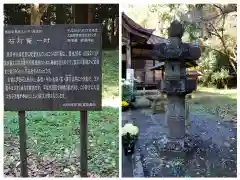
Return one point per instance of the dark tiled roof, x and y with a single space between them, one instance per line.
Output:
136 26
193 73
136 29
156 40
139 31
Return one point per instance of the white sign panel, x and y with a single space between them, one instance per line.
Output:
130 76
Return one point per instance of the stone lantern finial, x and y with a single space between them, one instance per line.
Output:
176 29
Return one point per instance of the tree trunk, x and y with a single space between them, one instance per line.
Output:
112 30
81 13
91 13
37 12
117 33
35 17
47 21
18 16
60 14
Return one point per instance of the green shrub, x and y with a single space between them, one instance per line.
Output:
220 78
127 90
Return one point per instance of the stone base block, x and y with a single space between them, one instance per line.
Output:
178 147
158 104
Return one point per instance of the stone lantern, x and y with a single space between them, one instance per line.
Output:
175 54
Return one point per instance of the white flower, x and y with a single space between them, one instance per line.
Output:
126 82
130 128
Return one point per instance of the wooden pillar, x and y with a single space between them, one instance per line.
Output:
129 53
162 73
196 78
154 72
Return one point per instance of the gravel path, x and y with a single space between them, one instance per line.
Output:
215 155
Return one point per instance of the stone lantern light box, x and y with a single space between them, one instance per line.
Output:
175 54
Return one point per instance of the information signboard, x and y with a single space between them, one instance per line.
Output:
53 68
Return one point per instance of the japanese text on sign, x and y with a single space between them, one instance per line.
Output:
52 67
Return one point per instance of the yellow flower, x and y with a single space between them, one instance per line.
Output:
124 104
130 128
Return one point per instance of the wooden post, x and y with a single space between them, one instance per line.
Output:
36 14
23 144
84 121
84 143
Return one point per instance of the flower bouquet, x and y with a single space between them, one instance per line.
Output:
127 94
125 105
129 138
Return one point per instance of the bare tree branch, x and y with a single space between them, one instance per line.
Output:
225 9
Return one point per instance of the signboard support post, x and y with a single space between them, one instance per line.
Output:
84 125
23 138
84 143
